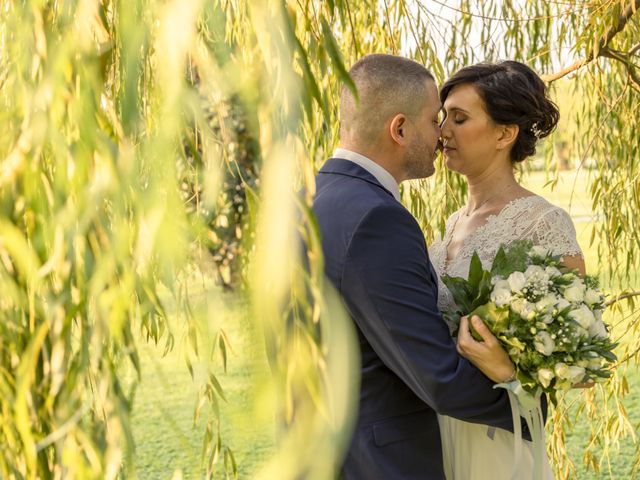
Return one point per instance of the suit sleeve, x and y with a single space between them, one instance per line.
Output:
387 286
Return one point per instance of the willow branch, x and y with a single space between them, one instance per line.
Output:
623 58
621 297
566 71
633 74
353 31
413 33
514 20
602 44
393 42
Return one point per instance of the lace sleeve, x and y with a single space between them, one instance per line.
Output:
555 231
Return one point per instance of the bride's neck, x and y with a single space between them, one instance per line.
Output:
490 185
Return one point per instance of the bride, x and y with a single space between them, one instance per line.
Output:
494 116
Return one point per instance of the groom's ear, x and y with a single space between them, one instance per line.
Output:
507 135
397 128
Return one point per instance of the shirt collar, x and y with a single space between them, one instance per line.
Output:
380 174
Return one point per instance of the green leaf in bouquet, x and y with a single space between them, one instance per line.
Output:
527 381
494 317
591 282
511 258
499 265
483 291
460 290
609 355
475 271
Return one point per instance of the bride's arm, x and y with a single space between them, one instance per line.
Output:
574 262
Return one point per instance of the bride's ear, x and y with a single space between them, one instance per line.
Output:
507 135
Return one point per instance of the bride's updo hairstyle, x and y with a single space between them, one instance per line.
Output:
513 94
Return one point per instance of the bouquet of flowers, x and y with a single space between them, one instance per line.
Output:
549 321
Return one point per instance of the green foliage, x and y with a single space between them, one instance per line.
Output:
511 259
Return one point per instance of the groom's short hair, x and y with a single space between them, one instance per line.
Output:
386 85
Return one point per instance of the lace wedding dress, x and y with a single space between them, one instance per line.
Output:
474 451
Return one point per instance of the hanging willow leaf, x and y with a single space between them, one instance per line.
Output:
336 57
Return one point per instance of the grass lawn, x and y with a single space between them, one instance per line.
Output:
168 444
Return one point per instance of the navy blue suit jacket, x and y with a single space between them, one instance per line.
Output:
376 257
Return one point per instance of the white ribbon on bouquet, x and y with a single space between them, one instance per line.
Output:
524 404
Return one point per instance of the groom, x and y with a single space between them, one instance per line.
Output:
375 256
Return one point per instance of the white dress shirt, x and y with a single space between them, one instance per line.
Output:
380 174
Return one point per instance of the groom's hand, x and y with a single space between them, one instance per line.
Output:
488 355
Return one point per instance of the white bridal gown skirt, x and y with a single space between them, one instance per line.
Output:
473 451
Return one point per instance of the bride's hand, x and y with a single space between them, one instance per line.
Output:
488 355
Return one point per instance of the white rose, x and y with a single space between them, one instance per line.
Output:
598 329
534 273
517 281
592 297
561 370
595 363
552 272
547 319
578 282
545 376
500 296
574 294
546 303
575 374
517 304
581 332
523 308
539 251
562 303
528 311
583 316
501 285
544 343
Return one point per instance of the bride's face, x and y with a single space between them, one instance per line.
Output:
470 137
